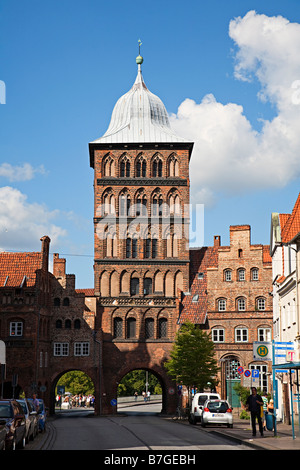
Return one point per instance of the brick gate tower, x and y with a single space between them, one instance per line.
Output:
141 252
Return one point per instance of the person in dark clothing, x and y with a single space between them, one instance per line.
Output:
254 404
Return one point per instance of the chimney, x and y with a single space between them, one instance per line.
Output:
59 266
45 253
217 240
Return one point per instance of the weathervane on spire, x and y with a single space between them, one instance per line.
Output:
139 59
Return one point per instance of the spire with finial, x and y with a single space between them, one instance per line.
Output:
139 59
139 116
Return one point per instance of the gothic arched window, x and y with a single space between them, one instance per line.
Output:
125 167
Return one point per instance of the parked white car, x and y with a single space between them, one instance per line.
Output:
217 412
198 403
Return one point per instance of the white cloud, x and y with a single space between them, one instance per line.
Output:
229 155
22 224
19 173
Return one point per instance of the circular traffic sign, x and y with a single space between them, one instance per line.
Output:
262 350
113 402
240 369
247 373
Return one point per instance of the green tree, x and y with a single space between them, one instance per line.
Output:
192 360
135 381
77 382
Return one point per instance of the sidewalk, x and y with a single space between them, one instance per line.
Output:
242 433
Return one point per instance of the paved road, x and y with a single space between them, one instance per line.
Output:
139 429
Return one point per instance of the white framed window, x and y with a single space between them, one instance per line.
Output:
241 335
263 375
82 348
222 305
264 334
227 275
241 274
261 303
241 304
218 335
254 274
16 328
61 349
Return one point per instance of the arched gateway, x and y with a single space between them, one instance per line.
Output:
141 226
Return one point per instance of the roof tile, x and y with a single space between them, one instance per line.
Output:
14 266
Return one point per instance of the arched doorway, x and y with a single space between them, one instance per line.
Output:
72 389
140 387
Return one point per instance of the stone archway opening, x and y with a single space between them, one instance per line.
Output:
73 390
141 390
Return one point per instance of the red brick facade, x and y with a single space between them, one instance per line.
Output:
141 257
46 325
230 297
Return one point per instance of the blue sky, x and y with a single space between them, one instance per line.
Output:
228 78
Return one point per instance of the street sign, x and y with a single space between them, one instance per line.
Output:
280 349
262 350
255 378
240 370
247 378
113 402
2 352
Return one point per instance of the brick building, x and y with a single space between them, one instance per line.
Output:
46 324
230 297
141 186
72 326
24 315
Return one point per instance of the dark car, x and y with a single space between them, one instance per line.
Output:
12 413
32 422
2 433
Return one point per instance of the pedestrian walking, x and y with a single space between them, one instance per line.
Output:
270 409
265 408
254 404
36 402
